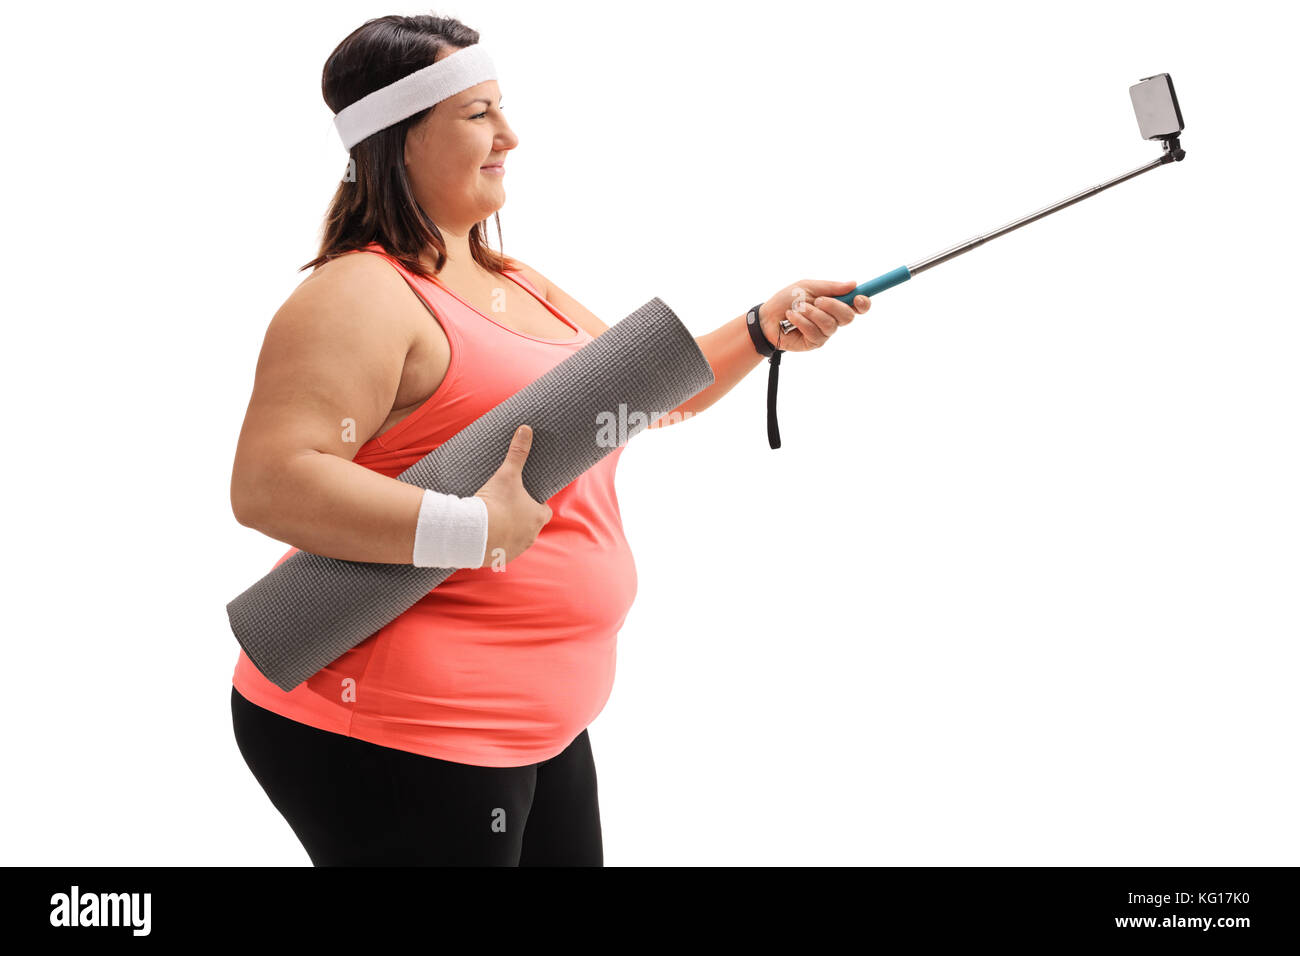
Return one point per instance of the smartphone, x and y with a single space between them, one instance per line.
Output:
1156 107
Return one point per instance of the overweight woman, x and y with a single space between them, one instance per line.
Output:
456 734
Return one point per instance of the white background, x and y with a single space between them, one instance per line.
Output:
1021 585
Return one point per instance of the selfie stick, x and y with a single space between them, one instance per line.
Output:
1158 117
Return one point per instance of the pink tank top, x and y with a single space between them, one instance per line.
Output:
494 668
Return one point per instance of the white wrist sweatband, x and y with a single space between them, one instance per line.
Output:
451 532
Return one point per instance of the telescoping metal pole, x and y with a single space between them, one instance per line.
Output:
903 273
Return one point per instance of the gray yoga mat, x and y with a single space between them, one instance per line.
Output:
311 609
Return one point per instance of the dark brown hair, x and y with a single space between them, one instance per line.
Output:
375 202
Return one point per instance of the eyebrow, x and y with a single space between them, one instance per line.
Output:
480 100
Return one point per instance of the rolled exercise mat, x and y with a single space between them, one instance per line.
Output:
311 609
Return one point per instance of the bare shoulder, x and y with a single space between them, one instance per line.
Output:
353 275
357 289
536 278
355 310
335 350
562 301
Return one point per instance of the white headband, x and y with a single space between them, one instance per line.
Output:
416 91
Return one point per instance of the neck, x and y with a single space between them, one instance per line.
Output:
459 259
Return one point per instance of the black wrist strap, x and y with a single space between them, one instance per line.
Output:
773 355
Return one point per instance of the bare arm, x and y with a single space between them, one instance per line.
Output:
731 354
728 349
332 357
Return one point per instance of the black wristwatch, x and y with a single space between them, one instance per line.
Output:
773 356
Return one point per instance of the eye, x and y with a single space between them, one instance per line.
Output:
484 113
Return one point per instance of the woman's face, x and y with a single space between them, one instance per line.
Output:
446 153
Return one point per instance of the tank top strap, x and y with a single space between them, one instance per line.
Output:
446 308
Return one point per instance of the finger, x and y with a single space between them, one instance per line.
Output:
803 326
826 323
812 333
841 312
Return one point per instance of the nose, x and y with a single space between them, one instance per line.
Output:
507 138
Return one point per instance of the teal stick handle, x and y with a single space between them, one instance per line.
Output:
878 284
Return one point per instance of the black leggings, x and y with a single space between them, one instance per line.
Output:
354 803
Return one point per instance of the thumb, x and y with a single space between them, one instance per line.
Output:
520 444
